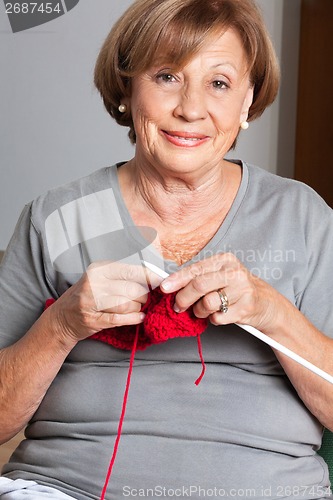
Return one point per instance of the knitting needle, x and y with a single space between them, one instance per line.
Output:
261 336
155 269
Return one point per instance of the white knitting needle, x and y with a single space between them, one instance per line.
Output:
261 336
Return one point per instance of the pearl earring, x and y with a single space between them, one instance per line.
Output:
122 108
244 125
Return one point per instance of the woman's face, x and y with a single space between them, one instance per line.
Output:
187 120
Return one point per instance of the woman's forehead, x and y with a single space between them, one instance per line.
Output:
224 48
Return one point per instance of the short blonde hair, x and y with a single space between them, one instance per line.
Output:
160 31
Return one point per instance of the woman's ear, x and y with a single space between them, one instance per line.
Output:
247 104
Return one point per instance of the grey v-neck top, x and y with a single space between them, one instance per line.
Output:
243 432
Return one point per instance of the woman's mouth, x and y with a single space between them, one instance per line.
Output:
185 139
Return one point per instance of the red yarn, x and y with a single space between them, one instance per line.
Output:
122 415
160 324
197 382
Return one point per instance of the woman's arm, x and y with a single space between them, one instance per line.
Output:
27 369
297 333
107 295
254 302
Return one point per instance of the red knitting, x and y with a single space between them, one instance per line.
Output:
160 324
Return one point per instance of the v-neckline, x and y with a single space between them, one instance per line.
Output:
208 250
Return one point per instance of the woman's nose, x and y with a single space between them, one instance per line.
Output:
191 105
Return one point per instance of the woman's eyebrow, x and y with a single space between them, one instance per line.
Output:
226 63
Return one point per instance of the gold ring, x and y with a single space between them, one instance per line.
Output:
224 301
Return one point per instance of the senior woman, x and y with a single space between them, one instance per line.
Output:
185 76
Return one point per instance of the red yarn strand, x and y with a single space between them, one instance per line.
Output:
123 411
197 382
175 325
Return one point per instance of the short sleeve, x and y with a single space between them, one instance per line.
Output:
315 300
24 286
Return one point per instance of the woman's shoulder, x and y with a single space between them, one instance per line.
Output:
81 191
290 194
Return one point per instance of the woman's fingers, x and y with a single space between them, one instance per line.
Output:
187 274
119 296
202 287
120 288
109 294
100 273
200 280
243 297
212 303
112 320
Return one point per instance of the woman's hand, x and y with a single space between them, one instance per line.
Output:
108 295
250 300
253 302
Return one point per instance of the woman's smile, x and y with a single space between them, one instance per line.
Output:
185 139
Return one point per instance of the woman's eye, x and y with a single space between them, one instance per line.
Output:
219 84
166 77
